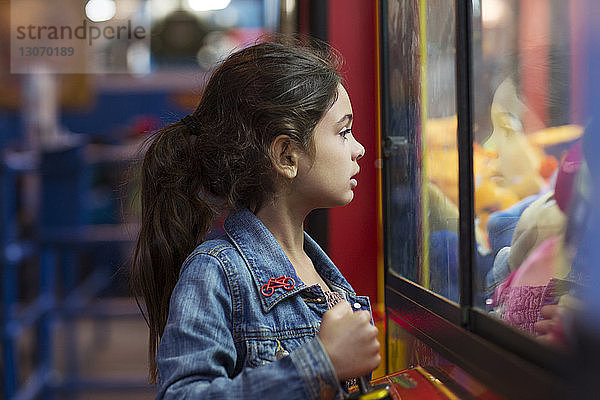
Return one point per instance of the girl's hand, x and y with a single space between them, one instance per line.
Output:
555 320
350 341
549 328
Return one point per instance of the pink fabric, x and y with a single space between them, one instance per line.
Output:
539 267
519 299
333 298
520 306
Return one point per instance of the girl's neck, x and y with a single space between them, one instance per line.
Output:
286 225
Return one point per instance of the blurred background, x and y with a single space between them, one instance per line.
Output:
71 125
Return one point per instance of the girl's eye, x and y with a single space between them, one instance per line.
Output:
345 132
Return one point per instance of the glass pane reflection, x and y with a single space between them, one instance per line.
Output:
528 167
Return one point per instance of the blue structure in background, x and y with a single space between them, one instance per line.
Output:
114 111
63 232
38 313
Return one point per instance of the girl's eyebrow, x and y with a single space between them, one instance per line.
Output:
347 116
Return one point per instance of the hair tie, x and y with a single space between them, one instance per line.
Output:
192 124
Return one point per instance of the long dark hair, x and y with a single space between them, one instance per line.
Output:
222 157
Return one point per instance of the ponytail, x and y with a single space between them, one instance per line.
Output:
174 221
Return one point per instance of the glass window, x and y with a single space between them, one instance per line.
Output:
528 171
421 144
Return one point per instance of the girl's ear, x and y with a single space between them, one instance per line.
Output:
284 156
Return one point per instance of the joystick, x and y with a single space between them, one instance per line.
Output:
368 392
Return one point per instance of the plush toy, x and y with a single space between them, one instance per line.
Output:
443 213
442 171
540 220
519 299
442 155
490 197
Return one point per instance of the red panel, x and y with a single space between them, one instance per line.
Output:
533 52
578 44
353 228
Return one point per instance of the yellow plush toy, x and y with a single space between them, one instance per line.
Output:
442 175
442 155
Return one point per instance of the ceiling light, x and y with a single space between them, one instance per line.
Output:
208 5
100 10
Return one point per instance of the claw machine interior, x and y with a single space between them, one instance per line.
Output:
488 129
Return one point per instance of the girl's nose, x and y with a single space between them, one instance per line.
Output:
359 151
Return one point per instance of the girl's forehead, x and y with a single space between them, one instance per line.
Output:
341 110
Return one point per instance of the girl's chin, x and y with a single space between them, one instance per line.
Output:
339 202
349 198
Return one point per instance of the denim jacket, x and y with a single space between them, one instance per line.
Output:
232 335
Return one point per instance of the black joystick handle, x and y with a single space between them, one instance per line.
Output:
368 392
364 385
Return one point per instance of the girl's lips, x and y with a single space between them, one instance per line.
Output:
353 182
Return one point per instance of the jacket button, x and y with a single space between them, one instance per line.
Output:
357 305
281 353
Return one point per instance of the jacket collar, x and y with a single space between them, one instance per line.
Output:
266 259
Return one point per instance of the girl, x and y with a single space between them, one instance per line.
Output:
251 314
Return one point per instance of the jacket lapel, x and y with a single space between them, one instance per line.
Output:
264 257
268 263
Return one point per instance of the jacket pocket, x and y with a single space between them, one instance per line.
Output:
266 350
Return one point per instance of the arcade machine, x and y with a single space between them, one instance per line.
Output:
488 129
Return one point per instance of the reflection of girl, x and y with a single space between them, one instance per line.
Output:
251 313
